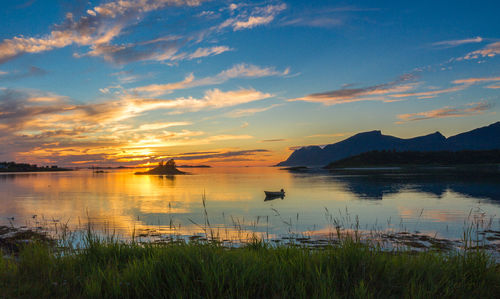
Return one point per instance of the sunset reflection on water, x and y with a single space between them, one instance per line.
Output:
126 203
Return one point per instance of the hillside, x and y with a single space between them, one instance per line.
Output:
437 158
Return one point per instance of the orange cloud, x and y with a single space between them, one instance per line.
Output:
370 93
470 109
494 86
389 92
476 80
490 50
40 127
428 94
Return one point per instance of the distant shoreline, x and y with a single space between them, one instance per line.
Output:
194 166
34 171
6 167
415 159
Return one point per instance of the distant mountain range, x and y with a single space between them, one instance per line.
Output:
484 138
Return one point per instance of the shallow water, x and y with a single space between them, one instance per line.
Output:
126 203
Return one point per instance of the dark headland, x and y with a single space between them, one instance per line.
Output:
412 158
168 168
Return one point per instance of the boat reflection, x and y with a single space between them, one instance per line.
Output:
273 197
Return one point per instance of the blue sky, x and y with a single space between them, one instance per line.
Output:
237 83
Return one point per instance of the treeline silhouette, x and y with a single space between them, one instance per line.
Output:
24 167
402 158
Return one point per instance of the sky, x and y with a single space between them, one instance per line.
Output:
232 83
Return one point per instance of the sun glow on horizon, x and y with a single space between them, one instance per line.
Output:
239 84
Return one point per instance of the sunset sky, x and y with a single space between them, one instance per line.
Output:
129 82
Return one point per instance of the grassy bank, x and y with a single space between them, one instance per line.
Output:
346 270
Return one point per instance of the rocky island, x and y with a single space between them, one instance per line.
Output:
168 168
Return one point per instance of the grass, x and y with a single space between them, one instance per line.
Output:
349 269
33 265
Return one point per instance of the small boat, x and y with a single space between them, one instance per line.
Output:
275 193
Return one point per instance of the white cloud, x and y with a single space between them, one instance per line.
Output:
200 53
96 29
241 70
256 16
252 22
458 42
121 7
250 111
233 6
163 125
212 99
204 52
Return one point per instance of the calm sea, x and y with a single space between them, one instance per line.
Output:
235 203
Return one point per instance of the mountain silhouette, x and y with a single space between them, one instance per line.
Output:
484 138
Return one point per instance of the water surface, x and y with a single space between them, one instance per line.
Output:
126 203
